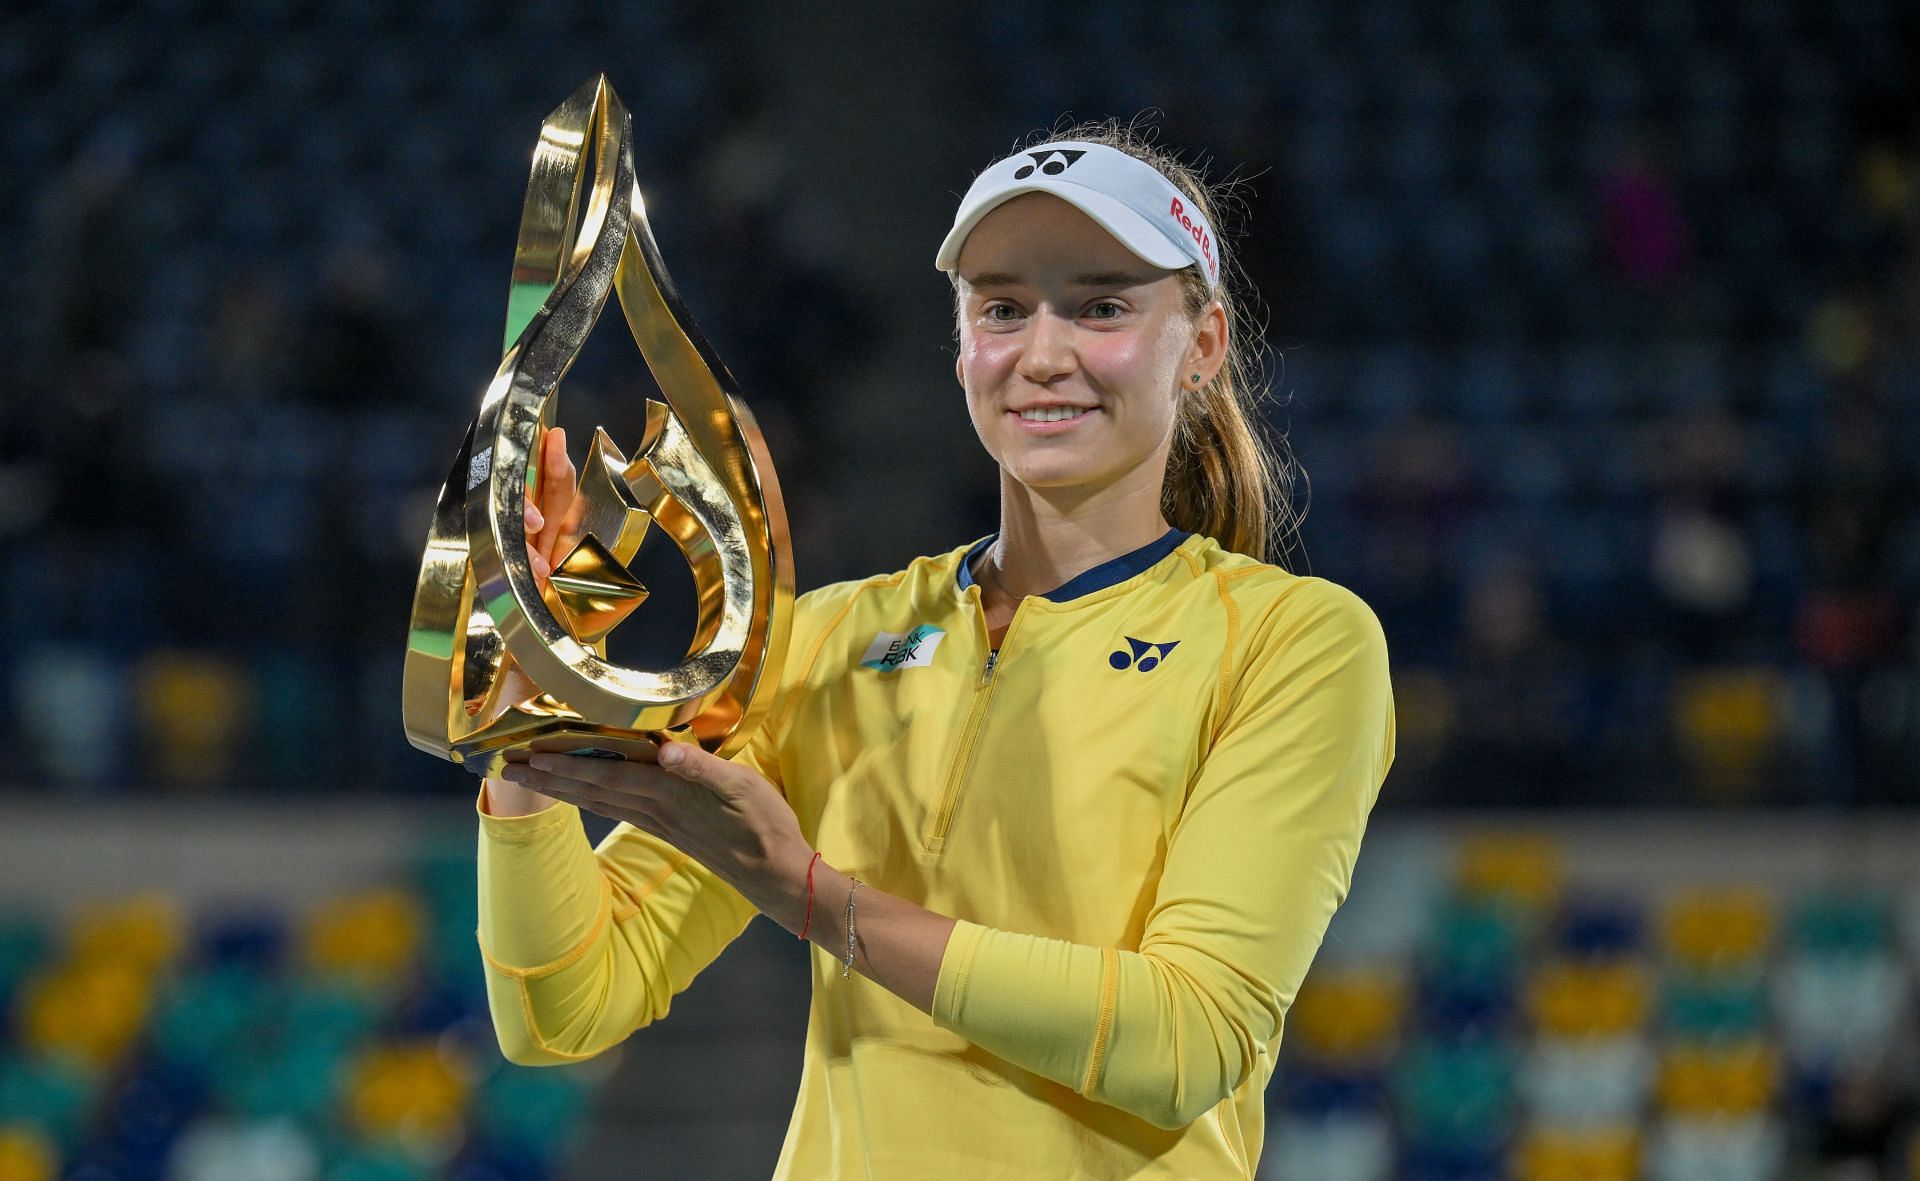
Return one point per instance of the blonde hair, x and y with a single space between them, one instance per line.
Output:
1225 477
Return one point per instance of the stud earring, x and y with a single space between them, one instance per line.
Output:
1196 378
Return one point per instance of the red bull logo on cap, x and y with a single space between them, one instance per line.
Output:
1201 236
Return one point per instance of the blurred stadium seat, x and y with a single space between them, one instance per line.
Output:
1594 334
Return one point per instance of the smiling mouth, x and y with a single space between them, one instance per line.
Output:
1054 415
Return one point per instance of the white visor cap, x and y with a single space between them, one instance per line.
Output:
1128 197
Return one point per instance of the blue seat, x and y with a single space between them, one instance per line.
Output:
1601 926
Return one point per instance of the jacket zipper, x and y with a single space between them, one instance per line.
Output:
982 694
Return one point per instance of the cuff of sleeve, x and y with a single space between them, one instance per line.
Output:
531 827
956 967
1035 1001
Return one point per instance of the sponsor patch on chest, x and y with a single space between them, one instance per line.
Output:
914 649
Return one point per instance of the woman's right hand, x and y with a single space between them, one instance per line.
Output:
547 518
548 515
549 512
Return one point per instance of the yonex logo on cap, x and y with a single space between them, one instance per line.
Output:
1129 197
1044 162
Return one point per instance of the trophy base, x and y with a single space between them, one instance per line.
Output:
626 746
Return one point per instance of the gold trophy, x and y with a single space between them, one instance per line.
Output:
702 475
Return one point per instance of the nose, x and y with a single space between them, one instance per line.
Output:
1048 354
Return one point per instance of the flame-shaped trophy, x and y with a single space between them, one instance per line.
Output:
702 475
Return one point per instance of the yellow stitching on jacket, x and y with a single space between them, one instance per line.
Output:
1103 1032
1221 579
965 968
520 976
533 1031
1226 653
1230 1139
600 916
638 896
820 641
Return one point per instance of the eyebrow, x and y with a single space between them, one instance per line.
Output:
1089 279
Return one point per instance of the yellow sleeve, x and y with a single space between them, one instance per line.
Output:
1260 858
584 946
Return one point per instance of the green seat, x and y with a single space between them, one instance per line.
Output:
1715 1005
203 1017
1839 923
53 1094
542 1111
300 1081
1456 1093
372 1162
23 947
1476 939
329 1013
443 874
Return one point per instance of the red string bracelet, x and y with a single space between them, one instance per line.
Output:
809 922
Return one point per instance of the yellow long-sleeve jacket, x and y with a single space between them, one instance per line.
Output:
1142 810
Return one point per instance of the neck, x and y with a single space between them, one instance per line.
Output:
1049 535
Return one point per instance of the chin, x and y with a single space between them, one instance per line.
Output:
1056 474
1064 467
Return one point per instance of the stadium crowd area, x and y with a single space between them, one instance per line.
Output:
139 1042
1595 327
1478 1012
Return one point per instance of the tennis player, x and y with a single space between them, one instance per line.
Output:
1064 811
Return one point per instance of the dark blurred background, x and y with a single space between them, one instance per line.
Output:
1595 328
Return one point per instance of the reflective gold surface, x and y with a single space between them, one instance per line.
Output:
701 474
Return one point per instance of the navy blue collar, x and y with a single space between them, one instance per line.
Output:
1087 581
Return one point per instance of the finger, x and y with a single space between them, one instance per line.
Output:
535 522
562 464
591 776
539 494
570 520
612 774
563 503
556 471
586 795
627 810
621 810
690 762
541 569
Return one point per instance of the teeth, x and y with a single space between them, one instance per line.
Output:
1052 414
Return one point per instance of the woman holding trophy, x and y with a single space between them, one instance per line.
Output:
1064 811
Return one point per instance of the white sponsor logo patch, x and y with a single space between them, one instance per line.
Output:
914 649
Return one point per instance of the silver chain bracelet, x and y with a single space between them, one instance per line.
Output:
848 966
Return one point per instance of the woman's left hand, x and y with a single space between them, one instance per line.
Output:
726 816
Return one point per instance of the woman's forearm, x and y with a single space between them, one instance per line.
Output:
508 799
898 944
